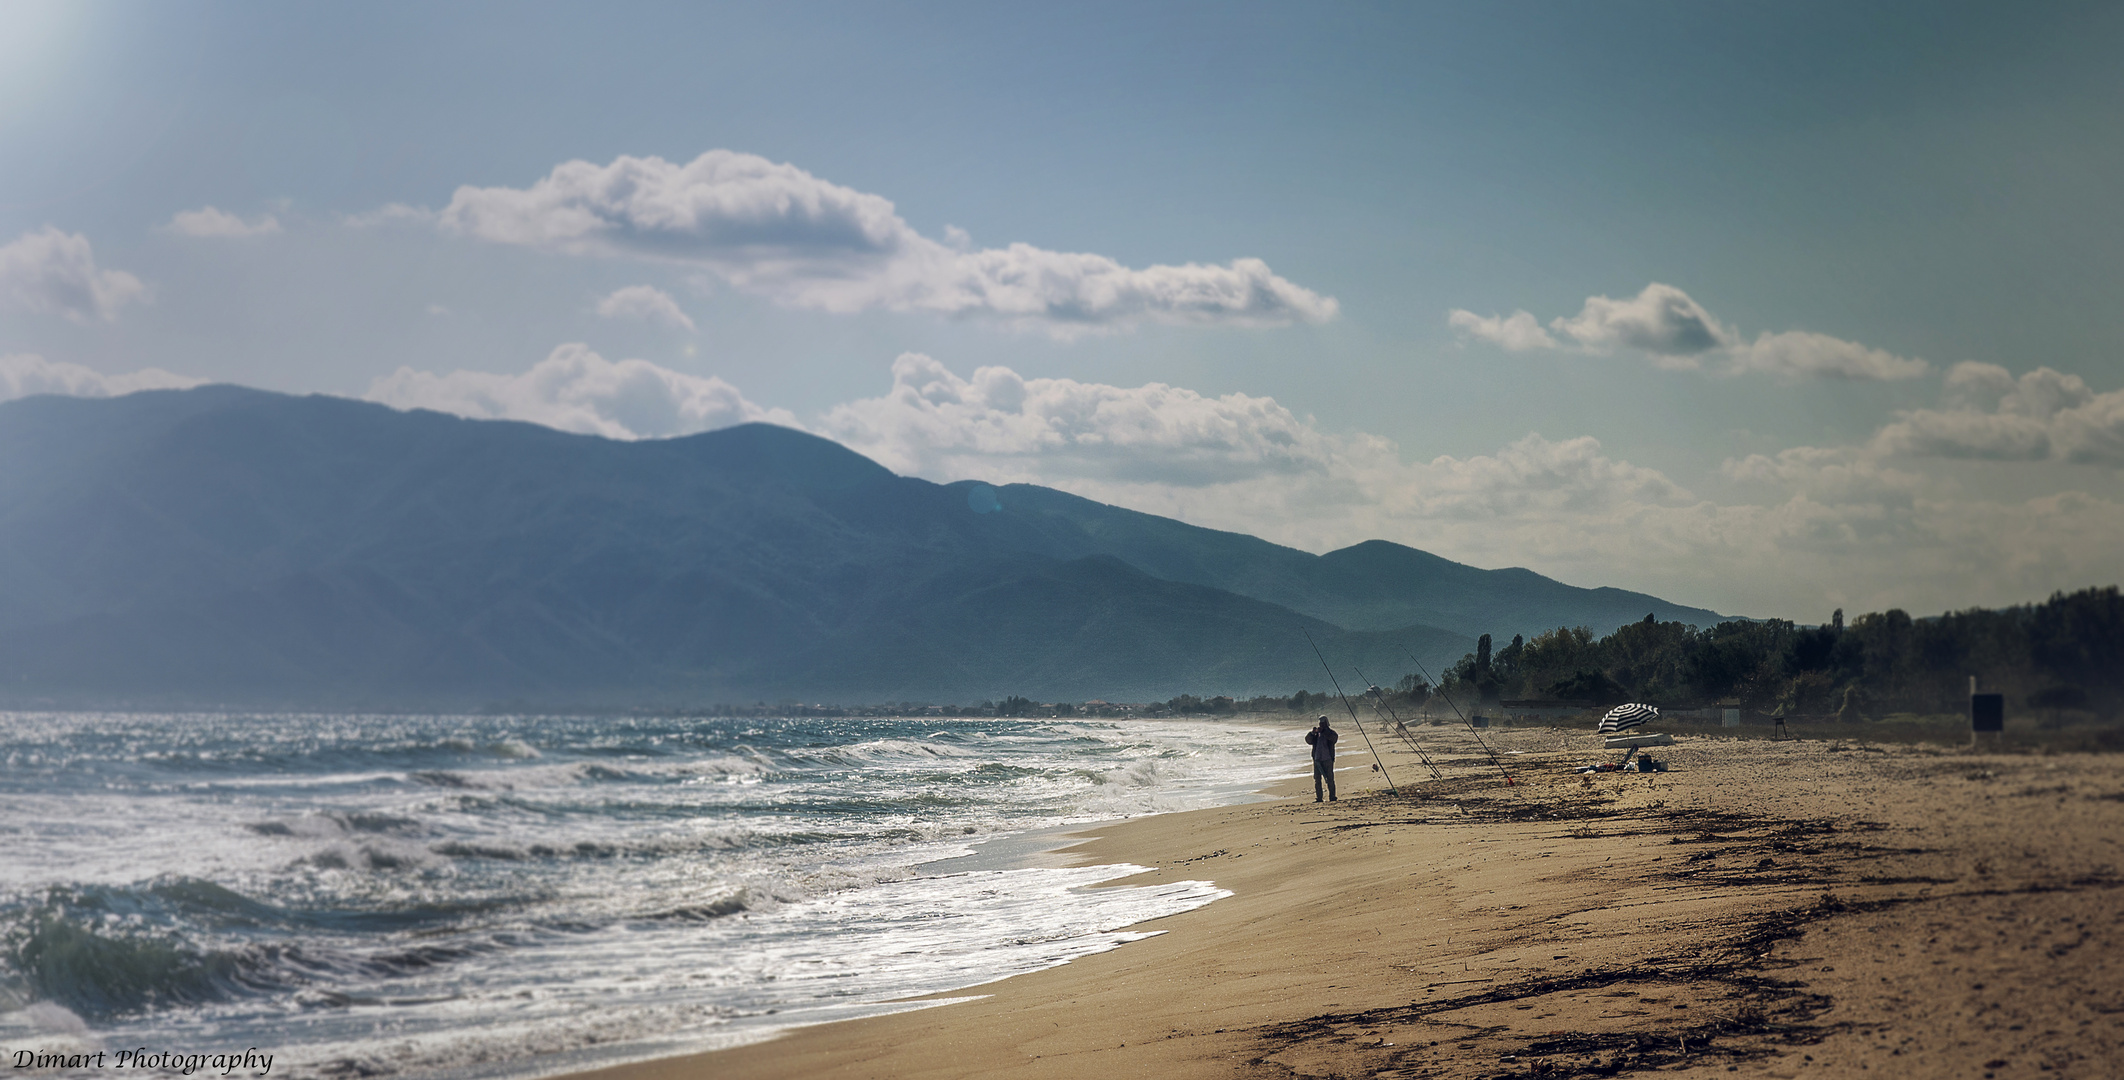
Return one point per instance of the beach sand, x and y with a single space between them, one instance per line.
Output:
1789 909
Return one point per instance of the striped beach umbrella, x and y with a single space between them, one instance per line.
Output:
1625 717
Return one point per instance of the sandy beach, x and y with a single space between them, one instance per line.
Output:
1820 907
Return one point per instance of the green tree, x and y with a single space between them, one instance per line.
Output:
1589 685
2078 639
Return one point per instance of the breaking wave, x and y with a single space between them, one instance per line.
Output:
413 896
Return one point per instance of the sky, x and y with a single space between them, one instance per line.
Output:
1769 308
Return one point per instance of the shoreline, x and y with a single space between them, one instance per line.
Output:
1772 909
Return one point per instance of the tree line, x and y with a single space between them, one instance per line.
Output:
2066 653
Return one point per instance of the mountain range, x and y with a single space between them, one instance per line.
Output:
223 545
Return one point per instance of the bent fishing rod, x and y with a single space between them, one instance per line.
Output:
1472 730
1378 697
1377 761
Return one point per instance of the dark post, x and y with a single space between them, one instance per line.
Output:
1987 712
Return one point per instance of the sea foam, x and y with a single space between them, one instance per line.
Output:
517 895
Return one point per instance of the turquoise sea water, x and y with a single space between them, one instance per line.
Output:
510 896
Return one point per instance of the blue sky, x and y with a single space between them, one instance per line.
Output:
1819 298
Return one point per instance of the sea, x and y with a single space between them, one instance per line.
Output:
516 896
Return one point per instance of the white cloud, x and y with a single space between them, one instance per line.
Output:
390 214
1517 332
54 273
645 302
1796 353
24 374
1679 334
1538 475
1839 475
1831 526
574 389
2043 415
998 423
1661 320
1900 529
1859 530
1810 529
780 232
210 222
1236 462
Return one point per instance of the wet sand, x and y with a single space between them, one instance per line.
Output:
1784 909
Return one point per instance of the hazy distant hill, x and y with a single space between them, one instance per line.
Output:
224 544
1375 585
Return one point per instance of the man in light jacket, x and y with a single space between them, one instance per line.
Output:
1323 739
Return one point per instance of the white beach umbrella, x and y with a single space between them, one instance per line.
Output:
1625 717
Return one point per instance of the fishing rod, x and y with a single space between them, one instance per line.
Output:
1377 761
1401 726
1379 702
1377 697
1472 730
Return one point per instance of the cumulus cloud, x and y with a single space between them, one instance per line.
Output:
935 423
1535 474
2043 415
1893 512
645 302
24 374
1818 527
1661 320
208 222
1874 533
1812 527
1679 334
390 214
780 232
577 390
54 273
1517 332
1797 353
1839 475
1232 461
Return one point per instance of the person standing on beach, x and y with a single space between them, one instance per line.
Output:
1323 739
